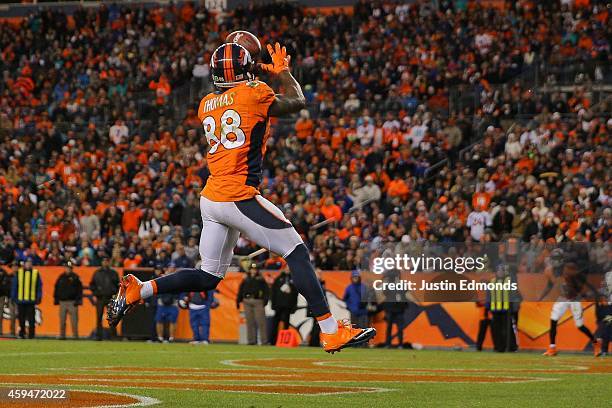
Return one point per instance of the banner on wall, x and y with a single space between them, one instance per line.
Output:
439 324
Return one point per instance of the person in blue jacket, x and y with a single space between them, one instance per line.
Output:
353 299
200 304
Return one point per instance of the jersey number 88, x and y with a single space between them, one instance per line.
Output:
230 123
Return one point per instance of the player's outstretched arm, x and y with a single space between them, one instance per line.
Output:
293 99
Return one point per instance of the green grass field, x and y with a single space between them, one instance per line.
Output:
181 375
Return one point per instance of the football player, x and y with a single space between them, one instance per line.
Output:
236 124
572 283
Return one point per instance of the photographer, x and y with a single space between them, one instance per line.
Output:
103 285
284 302
253 294
68 294
395 305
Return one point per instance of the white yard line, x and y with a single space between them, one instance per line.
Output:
142 400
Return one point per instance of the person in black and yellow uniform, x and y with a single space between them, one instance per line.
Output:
503 304
26 293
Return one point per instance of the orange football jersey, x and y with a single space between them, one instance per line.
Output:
236 126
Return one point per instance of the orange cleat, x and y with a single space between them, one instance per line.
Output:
597 348
551 352
346 336
124 301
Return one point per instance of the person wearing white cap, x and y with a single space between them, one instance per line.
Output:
367 193
89 221
200 69
513 147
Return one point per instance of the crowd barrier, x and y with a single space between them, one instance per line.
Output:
432 324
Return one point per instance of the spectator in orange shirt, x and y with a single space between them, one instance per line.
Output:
585 42
162 89
398 188
304 125
187 12
159 212
481 199
330 210
321 133
422 220
131 218
167 142
525 163
343 234
338 136
132 260
582 3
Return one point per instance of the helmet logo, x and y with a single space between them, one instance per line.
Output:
230 63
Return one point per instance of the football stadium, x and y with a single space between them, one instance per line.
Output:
260 203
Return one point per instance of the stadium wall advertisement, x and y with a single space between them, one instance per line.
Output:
430 324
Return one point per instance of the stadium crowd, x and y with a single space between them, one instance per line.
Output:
97 161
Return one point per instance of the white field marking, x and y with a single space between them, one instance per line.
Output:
346 390
236 363
142 400
351 390
338 364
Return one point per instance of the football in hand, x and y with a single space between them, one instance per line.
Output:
247 40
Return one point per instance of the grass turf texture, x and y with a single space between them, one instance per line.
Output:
398 378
